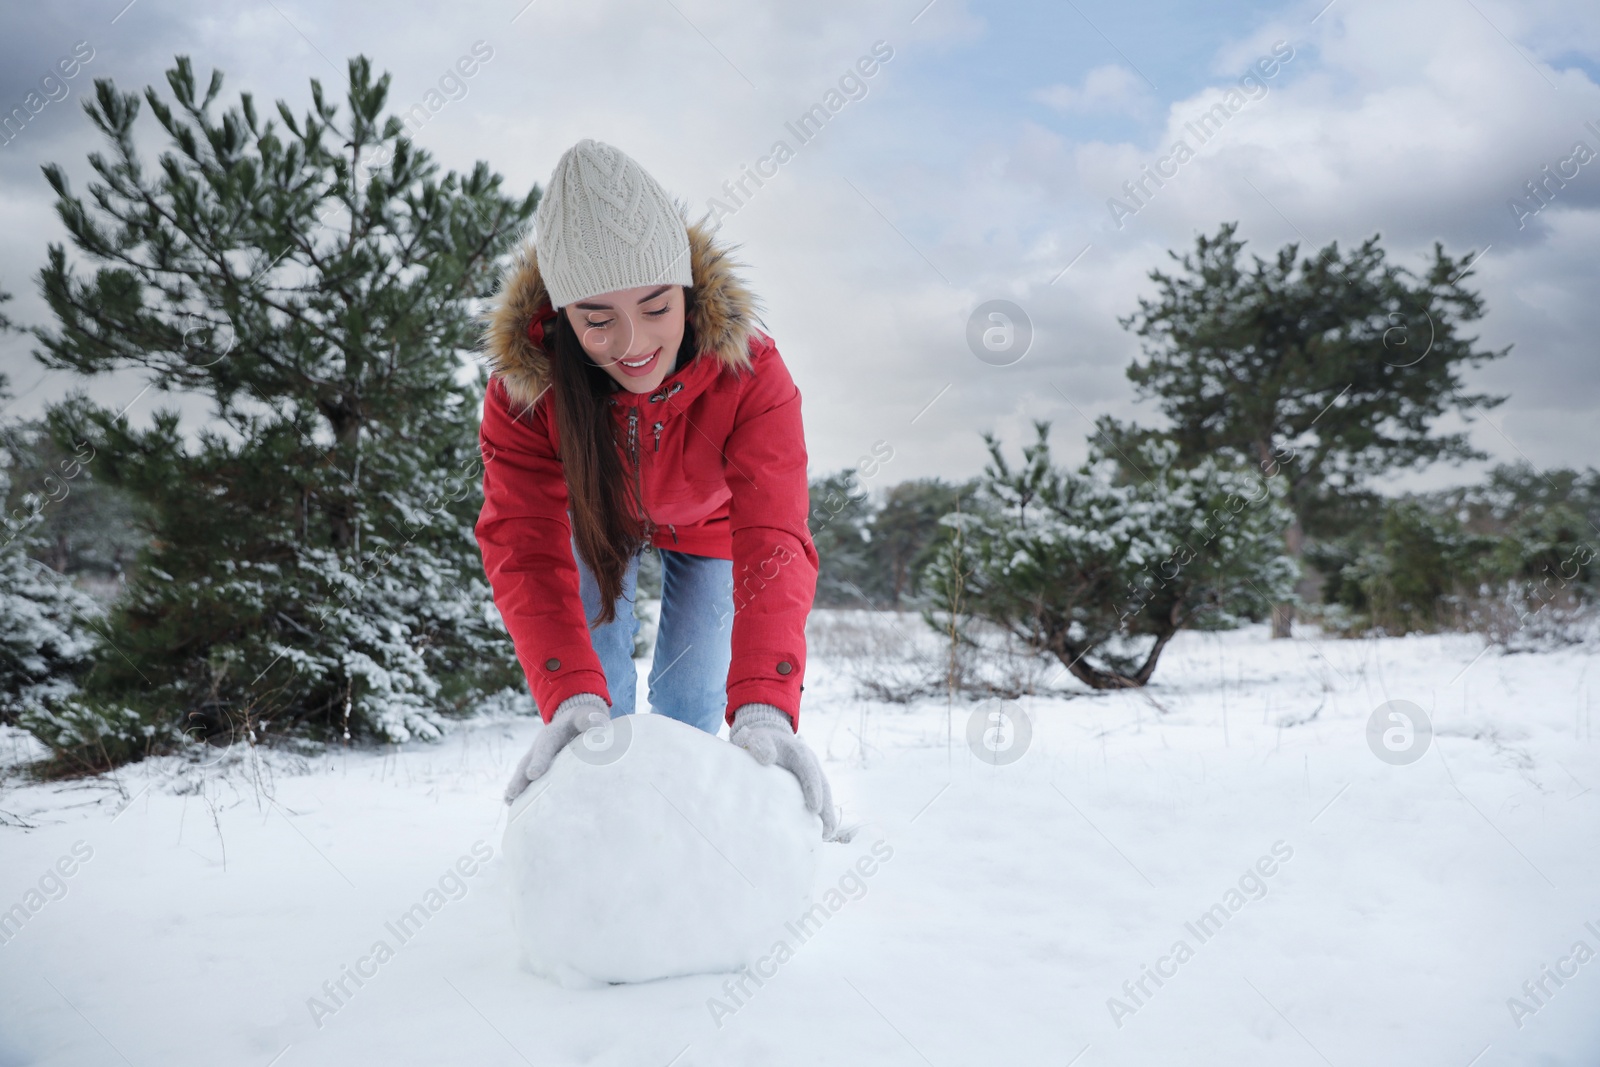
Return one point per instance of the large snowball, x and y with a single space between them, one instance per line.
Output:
652 849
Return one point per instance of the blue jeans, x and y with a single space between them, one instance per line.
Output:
689 668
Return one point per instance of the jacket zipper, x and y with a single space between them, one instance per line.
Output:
657 428
638 476
633 451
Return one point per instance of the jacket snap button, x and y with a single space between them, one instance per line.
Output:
784 666
552 664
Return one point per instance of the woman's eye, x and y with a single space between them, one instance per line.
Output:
607 322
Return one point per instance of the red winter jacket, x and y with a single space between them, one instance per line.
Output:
721 456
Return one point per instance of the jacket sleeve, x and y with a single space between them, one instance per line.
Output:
525 536
774 560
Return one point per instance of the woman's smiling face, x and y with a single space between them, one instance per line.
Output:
633 334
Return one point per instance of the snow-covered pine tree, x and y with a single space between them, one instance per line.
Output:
1100 571
313 567
46 624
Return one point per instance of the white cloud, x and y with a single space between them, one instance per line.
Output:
1109 89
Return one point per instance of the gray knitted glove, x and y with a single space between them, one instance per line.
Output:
767 733
577 713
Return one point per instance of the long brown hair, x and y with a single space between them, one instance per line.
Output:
607 514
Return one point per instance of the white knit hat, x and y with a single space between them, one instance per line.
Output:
605 224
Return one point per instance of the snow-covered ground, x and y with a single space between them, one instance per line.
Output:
1361 911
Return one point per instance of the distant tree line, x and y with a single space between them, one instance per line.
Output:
874 552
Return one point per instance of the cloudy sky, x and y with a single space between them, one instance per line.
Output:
975 164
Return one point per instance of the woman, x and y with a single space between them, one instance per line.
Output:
632 401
